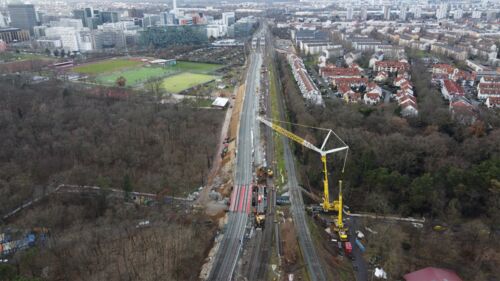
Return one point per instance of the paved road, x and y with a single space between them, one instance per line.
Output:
230 248
359 262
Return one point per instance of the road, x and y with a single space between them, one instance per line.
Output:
227 256
359 262
313 263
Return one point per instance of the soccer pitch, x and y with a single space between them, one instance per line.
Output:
196 67
180 82
136 76
106 66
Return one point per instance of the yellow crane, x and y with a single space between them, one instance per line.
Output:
327 205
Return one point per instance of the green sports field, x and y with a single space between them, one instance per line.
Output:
196 67
180 82
136 76
106 66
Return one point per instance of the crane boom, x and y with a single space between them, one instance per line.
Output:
289 134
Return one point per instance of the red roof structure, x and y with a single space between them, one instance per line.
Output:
432 274
453 88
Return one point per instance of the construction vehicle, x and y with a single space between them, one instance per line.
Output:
339 224
326 205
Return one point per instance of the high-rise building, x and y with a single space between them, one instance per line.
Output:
349 13
228 18
23 16
476 14
109 16
3 22
459 13
491 15
387 13
364 14
442 11
167 18
403 13
417 13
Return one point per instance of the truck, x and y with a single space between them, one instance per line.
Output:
347 249
360 246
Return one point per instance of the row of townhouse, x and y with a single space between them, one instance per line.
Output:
488 90
307 87
443 71
405 96
460 107
330 72
392 66
450 51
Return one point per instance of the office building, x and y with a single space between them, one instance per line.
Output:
364 14
349 13
13 34
22 16
228 18
109 16
387 13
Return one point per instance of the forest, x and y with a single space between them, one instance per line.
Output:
53 134
429 166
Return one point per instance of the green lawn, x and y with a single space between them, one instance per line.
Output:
13 56
196 67
180 82
136 76
106 66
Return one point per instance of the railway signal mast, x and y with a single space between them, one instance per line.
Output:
327 206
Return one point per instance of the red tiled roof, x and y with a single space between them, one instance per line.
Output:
432 274
339 71
373 96
492 85
393 64
491 79
350 81
494 100
452 87
343 88
443 68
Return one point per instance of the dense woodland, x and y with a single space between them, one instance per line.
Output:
427 166
53 135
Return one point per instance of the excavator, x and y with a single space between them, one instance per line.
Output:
327 206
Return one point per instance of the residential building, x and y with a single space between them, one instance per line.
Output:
492 102
391 66
22 16
450 51
458 14
307 87
476 14
488 89
331 71
451 90
463 111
